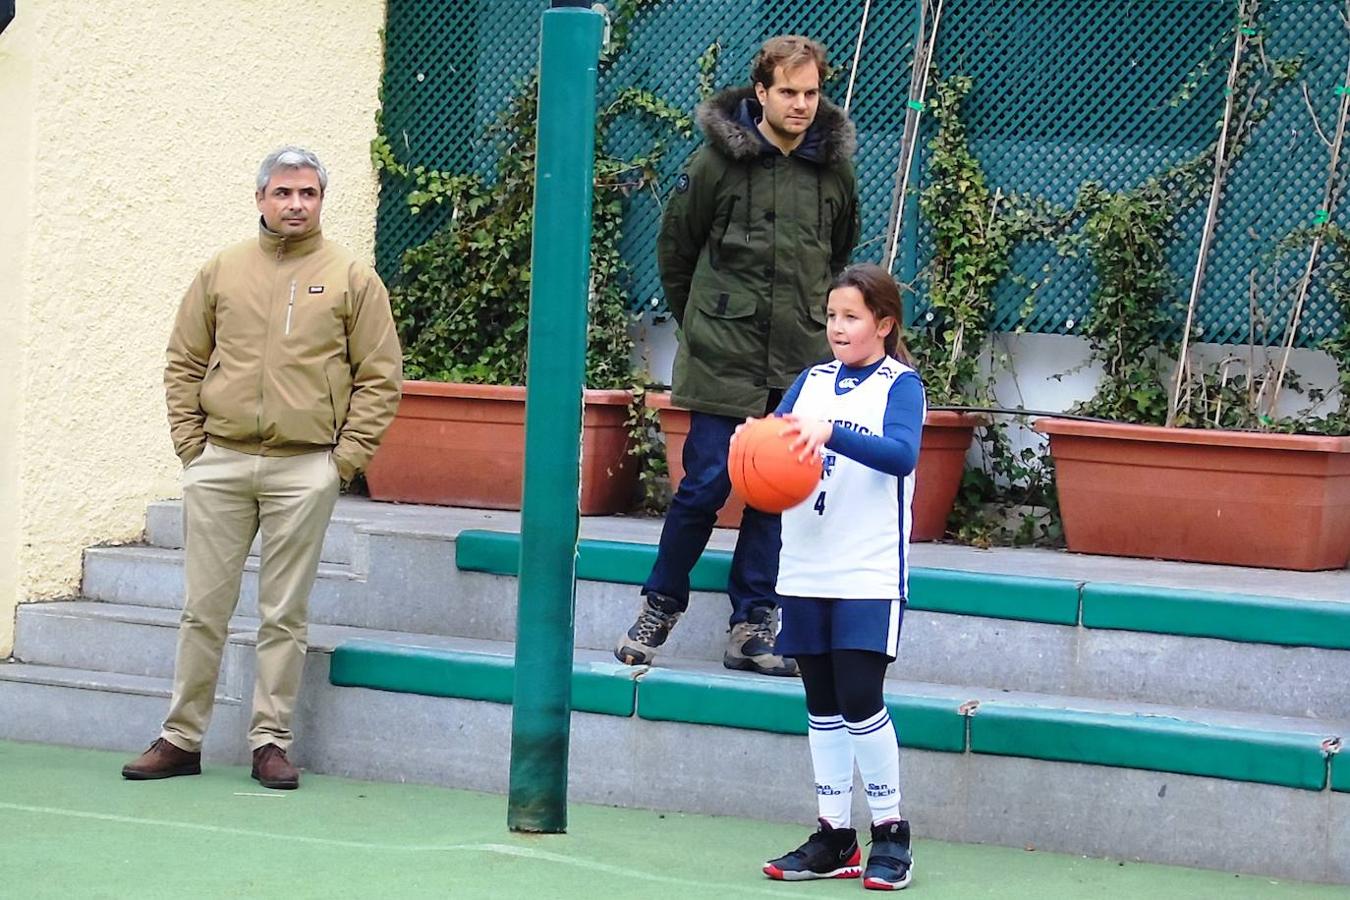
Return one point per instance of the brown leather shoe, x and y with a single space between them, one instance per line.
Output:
162 760
273 770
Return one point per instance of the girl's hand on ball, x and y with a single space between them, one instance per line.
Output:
812 435
741 427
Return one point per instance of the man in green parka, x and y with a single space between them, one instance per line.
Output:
763 215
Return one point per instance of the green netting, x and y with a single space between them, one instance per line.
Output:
1066 91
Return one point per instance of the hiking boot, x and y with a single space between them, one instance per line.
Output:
829 853
162 760
273 770
751 646
658 615
890 866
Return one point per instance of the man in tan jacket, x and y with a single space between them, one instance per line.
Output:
283 373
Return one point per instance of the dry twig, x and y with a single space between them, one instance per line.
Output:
1247 13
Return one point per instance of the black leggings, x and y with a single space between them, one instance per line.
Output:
844 682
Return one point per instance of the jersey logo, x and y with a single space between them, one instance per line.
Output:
848 384
852 426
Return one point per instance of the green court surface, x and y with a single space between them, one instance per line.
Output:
70 827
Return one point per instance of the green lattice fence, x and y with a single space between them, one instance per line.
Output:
1066 91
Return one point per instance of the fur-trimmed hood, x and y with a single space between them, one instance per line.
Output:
728 121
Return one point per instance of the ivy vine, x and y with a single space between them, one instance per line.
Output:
461 298
1010 497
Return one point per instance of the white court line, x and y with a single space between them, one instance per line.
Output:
502 849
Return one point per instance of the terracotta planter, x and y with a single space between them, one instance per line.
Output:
942 462
942 459
1278 501
464 445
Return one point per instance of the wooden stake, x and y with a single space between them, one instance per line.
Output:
1328 203
1247 10
857 56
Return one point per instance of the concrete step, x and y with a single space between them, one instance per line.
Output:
341 545
986 628
141 641
141 575
1118 708
1015 776
100 637
103 710
56 692
977 764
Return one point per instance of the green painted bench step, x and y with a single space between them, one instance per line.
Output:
1025 598
1340 771
1052 600
1232 617
606 688
1156 743
737 701
621 562
1150 742
1055 601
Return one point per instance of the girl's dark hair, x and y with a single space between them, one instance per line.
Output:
882 296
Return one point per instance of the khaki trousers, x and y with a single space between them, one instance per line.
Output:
227 497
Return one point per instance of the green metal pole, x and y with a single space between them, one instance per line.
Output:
560 265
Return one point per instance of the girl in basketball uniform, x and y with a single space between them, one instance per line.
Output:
843 570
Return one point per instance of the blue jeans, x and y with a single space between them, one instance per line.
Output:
693 514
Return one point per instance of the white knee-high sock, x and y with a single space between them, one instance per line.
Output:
832 762
878 755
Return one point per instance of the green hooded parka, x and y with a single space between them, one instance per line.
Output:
749 242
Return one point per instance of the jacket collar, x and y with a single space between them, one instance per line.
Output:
728 119
279 245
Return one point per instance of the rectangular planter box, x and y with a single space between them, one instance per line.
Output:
1279 501
464 445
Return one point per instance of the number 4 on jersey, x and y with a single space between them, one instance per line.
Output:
819 506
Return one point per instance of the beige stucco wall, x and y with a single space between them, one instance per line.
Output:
139 138
16 161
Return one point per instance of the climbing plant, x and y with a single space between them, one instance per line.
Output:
461 298
1126 235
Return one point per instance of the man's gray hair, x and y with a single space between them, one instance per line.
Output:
291 157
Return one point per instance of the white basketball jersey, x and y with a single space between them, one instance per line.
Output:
850 538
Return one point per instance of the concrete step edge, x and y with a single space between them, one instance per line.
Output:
92 680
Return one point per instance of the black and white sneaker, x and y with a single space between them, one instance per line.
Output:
890 865
829 853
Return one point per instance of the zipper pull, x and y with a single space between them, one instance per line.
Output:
290 305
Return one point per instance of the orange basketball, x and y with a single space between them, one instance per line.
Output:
764 472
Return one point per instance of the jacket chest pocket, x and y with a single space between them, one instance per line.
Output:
316 316
723 231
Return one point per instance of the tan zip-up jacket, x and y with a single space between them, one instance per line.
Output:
284 346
